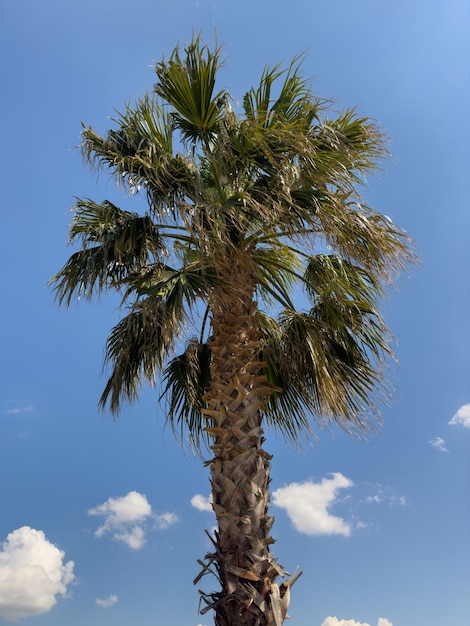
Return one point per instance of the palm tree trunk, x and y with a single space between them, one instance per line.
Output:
240 467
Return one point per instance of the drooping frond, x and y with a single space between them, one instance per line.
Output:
186 380
345 147
277 267
365 237
330 276
286 411
137 349
328 364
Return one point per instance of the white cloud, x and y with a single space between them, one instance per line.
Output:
334 621
202 503
383 496
32 574
166 519
126 519
462 417
307 505
398 501
133 507
107 602
17 410
439 444
375 499
134 538
360 525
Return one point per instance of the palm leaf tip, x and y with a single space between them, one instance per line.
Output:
186 81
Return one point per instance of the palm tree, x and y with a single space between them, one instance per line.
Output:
250 206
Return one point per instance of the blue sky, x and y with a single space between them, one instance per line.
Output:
101 522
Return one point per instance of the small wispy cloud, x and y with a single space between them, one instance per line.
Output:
107 602
398 501
201 503
383 495
127 519
439 444
462 417
360 525
19 410
307 505
164 520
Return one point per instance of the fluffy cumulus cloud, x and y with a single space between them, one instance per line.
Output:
32 574
201 503
334 621
462 417
439 444
127 519
107 602
307 505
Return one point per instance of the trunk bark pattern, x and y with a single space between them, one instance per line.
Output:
240 468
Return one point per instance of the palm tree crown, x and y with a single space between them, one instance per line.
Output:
250 207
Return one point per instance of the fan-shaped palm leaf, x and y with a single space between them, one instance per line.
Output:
115 244
139 153
187 83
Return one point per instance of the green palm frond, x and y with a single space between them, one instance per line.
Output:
143 138
293 104
346 146
137 349
257 101
366 237
139 153
178 287
327 362
286 411
277 268
187 83
115 244
186 380
329 275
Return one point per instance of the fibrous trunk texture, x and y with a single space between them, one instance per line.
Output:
240 468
